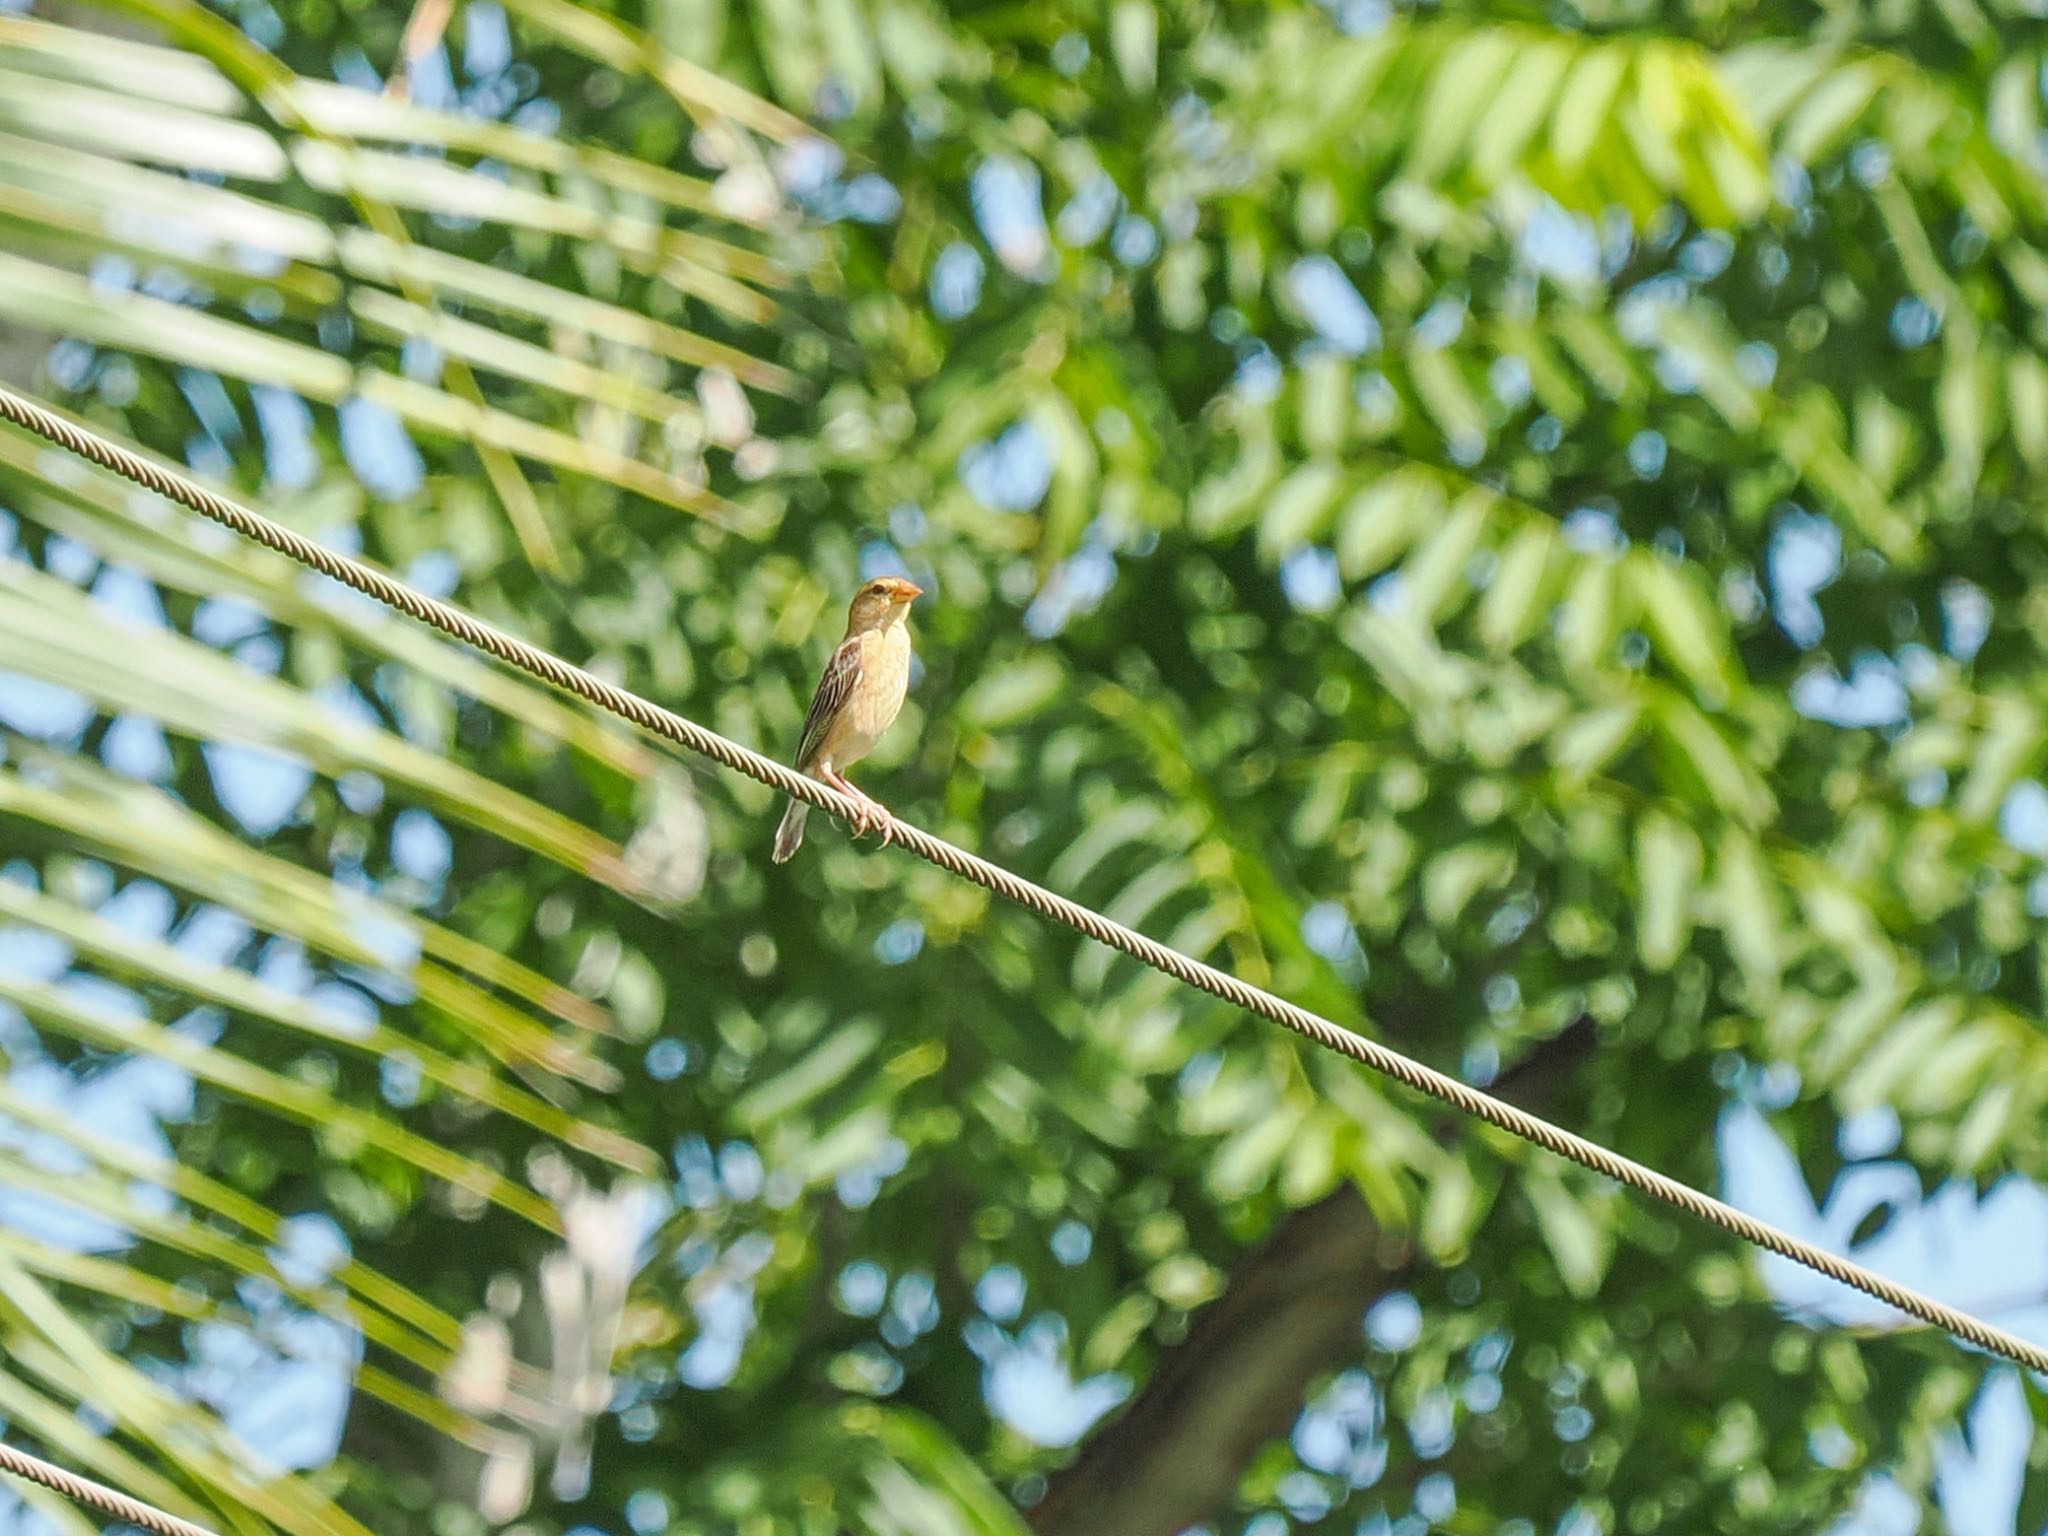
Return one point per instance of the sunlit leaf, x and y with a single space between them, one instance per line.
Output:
1579 1241
1668 862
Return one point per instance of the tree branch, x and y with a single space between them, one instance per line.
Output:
1234 1382
1239 1378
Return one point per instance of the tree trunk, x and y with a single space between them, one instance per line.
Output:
1238 1380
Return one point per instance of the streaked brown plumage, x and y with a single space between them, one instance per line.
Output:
857 700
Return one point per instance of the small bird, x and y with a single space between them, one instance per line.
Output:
857 701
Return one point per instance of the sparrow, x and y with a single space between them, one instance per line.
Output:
857 701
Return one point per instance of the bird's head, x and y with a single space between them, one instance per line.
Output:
884 600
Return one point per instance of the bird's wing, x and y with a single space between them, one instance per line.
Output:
842 673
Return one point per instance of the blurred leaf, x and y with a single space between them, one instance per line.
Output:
294 1100
1748 914
2012 742
1451 1212
199 693
1579 1241
1668 861
122 953
148 831
938 1466
1515 599
1134 35
1683 624
828 1064
1013 693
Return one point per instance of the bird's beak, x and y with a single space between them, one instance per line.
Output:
908 591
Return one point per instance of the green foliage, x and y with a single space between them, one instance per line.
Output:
1403 620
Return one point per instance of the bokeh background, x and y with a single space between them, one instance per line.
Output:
1519 527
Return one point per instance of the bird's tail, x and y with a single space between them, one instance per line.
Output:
790 835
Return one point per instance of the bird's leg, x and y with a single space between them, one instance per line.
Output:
873 816
839 781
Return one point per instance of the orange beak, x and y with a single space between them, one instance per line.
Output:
907 591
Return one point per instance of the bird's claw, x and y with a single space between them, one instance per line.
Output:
871 817
868 815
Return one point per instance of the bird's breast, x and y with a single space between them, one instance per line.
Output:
877 697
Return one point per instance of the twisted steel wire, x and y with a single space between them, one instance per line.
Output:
1331 1036
83 1490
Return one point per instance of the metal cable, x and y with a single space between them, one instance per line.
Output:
1194 973
83 1490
